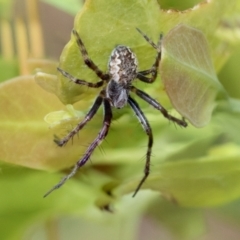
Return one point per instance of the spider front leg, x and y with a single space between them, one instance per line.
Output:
158 106
88 117
86 58
144 122
79 81
153 70
101 136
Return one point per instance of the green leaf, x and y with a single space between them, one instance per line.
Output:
188 74
176 5
24 105
202 182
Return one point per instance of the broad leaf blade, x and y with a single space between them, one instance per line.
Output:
188 74
25 138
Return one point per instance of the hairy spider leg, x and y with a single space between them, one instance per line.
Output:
80 81
86 58
153 70
147 128
97 141
147 39
88 117
158 106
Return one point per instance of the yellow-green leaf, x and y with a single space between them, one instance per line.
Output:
188 74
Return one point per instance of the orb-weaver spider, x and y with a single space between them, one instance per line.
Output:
117 86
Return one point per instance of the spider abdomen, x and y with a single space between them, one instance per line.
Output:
122 65
122 69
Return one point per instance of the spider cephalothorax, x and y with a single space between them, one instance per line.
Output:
117 86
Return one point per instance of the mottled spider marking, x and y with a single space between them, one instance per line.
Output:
122 65
122 68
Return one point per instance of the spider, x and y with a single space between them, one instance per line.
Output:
117 86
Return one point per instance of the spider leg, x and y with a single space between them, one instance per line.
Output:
153 70
79 81
147 39
145 124
86 58
88 117
158 106
101 135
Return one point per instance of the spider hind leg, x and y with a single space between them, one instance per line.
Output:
97 141
147 128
